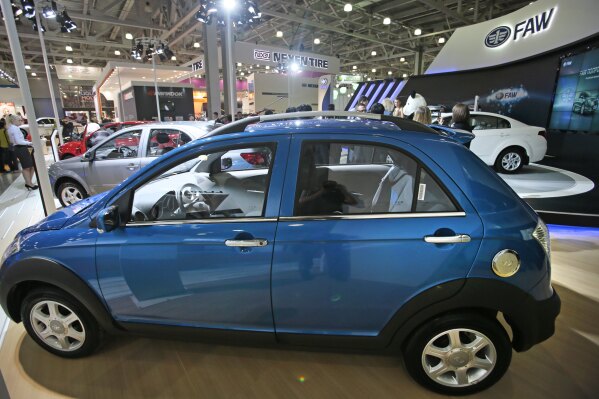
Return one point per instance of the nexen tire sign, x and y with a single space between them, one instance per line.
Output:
531 26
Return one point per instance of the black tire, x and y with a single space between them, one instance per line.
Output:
81 337
70 189
67 156
496 354
510 160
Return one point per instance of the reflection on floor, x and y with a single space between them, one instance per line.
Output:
541 181
565 366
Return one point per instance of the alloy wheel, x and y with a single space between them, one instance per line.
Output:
57 326
70 195
511 161
459 357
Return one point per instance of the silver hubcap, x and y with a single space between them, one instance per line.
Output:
511 161
70 195
57 325
459 357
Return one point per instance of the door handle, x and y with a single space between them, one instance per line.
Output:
459 238
132 166
258 242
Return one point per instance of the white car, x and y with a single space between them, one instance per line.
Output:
45 126
504 142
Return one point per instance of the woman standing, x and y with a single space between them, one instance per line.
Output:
22 149
398 110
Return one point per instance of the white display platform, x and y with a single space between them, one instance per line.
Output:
540 181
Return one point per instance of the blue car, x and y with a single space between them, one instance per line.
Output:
372 232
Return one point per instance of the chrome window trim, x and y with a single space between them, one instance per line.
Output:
375 216
200 221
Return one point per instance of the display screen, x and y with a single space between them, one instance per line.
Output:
576 102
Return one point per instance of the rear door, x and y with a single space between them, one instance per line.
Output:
366 224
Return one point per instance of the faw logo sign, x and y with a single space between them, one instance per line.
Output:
522 29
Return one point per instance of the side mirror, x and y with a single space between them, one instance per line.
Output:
108 219
88 156
226 163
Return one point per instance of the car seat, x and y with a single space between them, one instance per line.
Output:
395 192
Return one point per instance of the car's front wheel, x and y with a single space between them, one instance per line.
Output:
60 324
70 192
510 160
458 354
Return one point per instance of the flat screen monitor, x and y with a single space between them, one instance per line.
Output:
576 101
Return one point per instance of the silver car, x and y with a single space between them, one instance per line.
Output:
118 156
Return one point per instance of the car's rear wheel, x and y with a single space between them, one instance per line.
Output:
458 354
510 160
60 324
70 192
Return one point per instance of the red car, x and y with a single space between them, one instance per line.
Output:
77 147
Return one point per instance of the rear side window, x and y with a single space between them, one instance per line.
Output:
487 122
349 178
162 141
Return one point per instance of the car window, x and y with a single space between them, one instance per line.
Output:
162 141
486 122
348 178
122 146
205 187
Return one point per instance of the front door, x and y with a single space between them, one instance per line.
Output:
361 232
197 248
114 161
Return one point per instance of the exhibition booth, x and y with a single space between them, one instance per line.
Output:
536 66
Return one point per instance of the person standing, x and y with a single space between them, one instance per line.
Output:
22 149
460 117
5 160
423 115
398 110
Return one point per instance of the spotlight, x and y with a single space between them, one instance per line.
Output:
196 45
49 11
28 8
128 36
69 61
347 8
117 52
387 21
68 48
417 32
373 53
279 33
317 41
441 40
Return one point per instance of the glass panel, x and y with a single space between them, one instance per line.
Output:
119 147
431 197
201 188
348 178
162 141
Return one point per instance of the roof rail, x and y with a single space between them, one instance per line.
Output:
240 125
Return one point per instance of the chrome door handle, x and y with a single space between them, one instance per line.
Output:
459 238
246 243
132 166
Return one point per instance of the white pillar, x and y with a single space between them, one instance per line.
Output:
211 68
50 84
229 67
15 46
156 88
122 108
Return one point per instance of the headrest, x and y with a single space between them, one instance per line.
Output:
162 138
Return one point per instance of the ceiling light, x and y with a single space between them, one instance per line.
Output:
196 45
317 41
354 67
373 53
417 31
68 48
441 40
128 36
279 33
347 7
369 79
27 67
405 75
117 52
373 70
387 21
69 61
173 58
402 59
33 74
242 74
239 64
267 67
390 73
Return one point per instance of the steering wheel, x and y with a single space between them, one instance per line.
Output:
188 195
126 151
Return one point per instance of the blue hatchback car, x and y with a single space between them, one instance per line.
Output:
348 232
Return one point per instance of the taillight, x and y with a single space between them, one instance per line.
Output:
543 133
254 158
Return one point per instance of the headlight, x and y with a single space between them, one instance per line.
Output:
12 249
541 234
